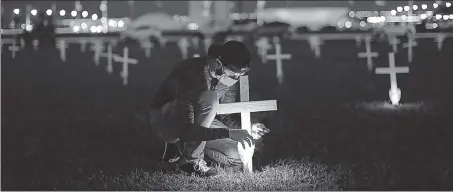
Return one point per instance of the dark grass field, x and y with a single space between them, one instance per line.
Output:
71 126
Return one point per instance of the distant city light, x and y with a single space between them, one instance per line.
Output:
362 23
16 11
112 23
451 16
62 13
29 27
446 17
348 24
351 13
424 6
448 4
74 13
120 23
192 26
393 12
84 26
423 16
435 5
406 8
93 29
85 14
94 16
415 7
403 17
49 12
435 25
76 28
399 9
340 24
438 16
34 12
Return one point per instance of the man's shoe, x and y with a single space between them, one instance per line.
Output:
198 168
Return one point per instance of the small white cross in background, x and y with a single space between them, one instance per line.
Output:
278 57
148 45
126 61
13 48
410 43
394 42
195 42
183 45
368 54
358 40
35 43
394 93
207 43
245 107
83 44
440 39
62 46
315 44
263 46
109 58
97 48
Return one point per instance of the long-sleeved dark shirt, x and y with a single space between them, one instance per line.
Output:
185 84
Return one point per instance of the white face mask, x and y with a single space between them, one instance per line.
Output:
228 81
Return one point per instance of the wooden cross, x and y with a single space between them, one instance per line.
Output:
410 43
62 46
368 54
14 48
278 58
315 44
126 61
98 48
245 107
263 46
183 45
392 71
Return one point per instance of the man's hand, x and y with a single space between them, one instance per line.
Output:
258 130
241 136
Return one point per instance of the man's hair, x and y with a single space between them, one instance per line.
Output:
233 54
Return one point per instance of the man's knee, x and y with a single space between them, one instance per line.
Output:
208 102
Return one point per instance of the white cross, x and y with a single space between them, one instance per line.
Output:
13 48
109 58
440 39
392 71
183 45
148 46
410 43
394 42
126 61
196 42
83 46
35 43
207 43
98 48
263 46
278 58
368 54
245 107
62 46
315 44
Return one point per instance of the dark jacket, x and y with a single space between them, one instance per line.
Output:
185 84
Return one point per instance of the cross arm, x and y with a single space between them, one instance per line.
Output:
248 106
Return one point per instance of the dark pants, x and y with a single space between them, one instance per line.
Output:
164 123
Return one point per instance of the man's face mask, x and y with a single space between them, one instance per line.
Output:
228 77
